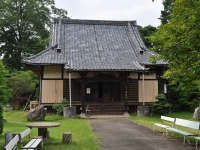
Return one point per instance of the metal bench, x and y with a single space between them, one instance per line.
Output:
12 145
186 124
166 123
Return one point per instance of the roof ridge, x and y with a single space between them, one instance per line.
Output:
94 22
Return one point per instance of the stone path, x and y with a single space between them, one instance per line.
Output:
124 134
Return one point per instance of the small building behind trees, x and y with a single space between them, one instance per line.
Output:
107 63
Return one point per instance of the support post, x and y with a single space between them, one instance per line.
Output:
143 88
83 97
70 93
125 102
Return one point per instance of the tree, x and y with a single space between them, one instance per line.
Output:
146 32
161 106
165 14
4 93
24 28
178 42
22 83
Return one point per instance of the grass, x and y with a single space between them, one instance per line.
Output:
149 121
83 138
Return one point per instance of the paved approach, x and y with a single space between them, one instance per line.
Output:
124 134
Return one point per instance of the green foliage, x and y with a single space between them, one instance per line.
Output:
22 83
59 106
24 28
161 107
20 87
161 97
178 42
5 92
146 32
1 119
165 14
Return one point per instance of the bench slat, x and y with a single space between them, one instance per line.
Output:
32 144
29 144
36 143
25 133
181 132
187 123
12 144
170 119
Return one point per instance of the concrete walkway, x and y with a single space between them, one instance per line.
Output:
124 134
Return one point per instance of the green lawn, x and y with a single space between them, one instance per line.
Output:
83 137
149 121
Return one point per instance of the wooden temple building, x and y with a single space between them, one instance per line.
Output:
103 64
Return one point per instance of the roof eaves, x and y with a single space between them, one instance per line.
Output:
42 52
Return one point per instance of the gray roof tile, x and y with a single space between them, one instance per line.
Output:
95 45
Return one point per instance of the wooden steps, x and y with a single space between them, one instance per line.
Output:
106 108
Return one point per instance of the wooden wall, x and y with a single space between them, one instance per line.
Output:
52 91
150 90
52 72
75 90
132 91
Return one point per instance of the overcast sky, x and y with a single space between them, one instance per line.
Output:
145 12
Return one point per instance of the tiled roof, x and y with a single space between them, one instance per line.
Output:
95 45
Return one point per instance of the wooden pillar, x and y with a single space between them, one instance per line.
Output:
125 102
83 96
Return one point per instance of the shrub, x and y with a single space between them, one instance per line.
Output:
161 106
1 119
19 102
59 106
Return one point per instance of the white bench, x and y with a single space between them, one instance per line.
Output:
33 143
197 140
166 123
12 145
23 134
186 124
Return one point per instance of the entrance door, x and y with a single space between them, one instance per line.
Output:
103 92
115 91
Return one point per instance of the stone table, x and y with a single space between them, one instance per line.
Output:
42 128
